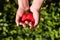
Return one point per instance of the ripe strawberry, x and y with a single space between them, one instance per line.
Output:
28 17
24 17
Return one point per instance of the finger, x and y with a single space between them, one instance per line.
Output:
26 22
30 24
23 24
36 23
17 20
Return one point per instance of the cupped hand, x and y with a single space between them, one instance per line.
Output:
19 14
36 17
36 5
22 6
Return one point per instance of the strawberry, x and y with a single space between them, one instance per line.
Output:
24 17
28 17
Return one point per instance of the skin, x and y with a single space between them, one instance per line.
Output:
24 5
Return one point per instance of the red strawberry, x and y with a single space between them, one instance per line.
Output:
28 17
24 17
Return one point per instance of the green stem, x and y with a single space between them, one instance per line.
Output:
27 11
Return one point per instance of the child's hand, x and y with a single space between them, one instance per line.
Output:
19 15
36 16
36 5
22 6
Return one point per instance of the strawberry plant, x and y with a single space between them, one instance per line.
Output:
47 29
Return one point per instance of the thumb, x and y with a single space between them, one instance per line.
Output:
36 17
17 20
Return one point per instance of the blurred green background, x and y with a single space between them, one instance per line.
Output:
47 29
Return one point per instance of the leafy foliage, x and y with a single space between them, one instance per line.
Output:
47 29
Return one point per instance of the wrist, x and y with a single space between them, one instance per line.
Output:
37 4
24 8
20 8
27 8
33 9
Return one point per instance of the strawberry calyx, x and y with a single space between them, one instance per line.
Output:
27 11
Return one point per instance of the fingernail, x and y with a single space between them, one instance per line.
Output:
30 27
24 25
20 23
26 22
17 25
